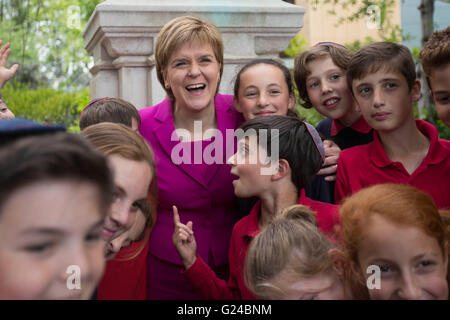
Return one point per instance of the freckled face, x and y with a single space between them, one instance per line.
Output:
411 262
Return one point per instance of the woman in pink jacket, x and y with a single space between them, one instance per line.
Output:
188 134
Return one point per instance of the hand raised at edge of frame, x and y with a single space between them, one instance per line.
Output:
5 73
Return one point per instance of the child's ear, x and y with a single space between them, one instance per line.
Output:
236 105
283 169
415 91
291 102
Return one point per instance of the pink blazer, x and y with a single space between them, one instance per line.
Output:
204 197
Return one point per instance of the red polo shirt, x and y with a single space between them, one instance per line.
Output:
210 287
359 125
125 276
366 165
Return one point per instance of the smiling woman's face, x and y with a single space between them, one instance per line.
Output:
193 75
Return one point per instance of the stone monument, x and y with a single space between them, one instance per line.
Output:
121 36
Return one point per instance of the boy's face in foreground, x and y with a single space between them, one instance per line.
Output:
45 228
440 91
385 99
248 164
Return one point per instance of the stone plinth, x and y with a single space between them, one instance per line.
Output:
121 36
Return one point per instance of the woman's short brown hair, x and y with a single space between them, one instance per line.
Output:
182 30
338 54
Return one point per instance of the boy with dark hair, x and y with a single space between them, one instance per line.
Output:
435 58
110 110
277 177
55 191
383 81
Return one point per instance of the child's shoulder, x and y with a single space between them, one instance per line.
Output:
324 126
356 153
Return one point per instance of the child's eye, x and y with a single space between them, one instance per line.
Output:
136 206
443 100
364 91
39 248
385 268
274 92
251 94
425 263
390 85
205 60
335 76
94 236
313 84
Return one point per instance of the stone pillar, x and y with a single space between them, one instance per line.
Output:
121 35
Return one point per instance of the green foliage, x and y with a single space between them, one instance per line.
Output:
311 115
296 45
431 116
46 104
46 41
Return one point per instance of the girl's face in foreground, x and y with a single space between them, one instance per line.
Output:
411 262
263 91
132 180
45 228
324 286
126 238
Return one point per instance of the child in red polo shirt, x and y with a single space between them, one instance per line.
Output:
383 80
319 74
278 183
435 58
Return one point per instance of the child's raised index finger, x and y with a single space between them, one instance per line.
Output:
176 217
